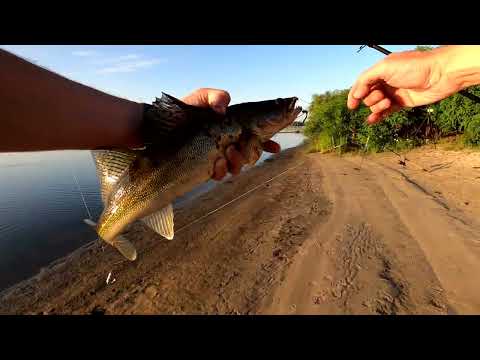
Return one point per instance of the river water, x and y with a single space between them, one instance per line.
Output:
44 197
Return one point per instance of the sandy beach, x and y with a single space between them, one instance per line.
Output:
328 234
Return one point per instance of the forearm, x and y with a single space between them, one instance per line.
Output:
40 110
461 64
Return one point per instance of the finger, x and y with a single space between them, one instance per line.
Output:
378 117
250 149
220 169
352 103
235 160
217 99
374 97
365 81
382 105
374 118
271 147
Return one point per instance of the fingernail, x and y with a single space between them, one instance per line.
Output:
357 94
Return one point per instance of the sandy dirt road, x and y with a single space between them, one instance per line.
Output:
331 235
392 245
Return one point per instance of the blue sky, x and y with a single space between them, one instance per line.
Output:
249 73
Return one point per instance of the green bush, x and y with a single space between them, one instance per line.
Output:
320 142
453 112
331 123
330 117
472 131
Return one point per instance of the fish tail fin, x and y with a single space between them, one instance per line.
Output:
125 247
90 222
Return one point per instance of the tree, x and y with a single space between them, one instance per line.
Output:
424 48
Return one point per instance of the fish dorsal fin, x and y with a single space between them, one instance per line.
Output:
164 117
161 222
169 119
111 164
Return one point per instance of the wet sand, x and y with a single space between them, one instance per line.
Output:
331 235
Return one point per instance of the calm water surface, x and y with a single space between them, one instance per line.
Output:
42 209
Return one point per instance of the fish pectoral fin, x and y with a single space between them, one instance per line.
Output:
121 243
125 247
161 222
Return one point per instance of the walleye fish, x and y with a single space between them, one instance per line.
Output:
182 144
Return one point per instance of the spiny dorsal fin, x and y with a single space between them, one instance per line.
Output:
110 165
165 116
161 222
169 119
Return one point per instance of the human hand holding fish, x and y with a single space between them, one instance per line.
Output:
146 155
41 110
185 146
218 100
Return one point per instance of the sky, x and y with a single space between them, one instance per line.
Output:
247 72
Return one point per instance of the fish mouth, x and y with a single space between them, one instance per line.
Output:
292 109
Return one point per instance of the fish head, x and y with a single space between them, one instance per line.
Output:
266 118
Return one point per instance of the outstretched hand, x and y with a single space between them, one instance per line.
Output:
218 100
407 79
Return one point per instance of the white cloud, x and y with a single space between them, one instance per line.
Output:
117 64
84 53
117 59
123 66
128 57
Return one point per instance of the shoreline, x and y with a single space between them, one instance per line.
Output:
332 235
97 257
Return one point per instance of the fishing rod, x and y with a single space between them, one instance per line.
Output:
465 93
306 116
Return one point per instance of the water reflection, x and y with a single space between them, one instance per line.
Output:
41 207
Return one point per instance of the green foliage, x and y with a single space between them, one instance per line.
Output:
329 116
472 131
331 123
320 142
452 113
424 47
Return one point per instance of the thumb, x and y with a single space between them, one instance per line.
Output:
218 100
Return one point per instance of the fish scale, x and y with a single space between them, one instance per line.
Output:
141 185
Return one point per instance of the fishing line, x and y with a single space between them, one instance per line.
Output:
237 198
424 169
81 194
221 207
